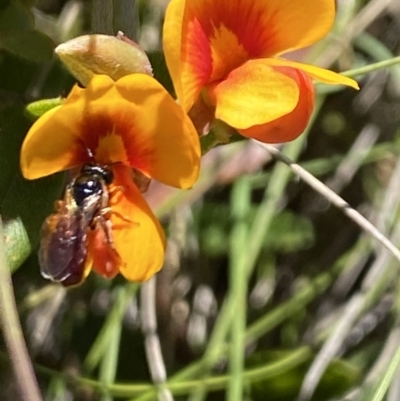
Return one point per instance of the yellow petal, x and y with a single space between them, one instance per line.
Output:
291 125
162 143
137 234
51 145
317 73
188 76
206 39
253 94
132 121
294 24
56 141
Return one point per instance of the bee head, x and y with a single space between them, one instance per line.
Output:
92 180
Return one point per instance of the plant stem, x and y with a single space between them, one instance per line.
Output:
372 67
12 331
240 206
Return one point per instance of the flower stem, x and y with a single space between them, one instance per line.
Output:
372 67
240 206
219 382
11 327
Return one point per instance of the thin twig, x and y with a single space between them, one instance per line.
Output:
154 356
389 374
12 331
371 67
335 199
378 277
382 362
378 369
357 303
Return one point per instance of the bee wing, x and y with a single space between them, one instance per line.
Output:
92 205
63 248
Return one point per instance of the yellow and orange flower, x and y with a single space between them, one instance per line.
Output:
226 53
130 123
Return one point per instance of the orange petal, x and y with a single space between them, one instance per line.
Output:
162 143
187 52
317 73
56 140
139 124
132 121
105 259
206 39
253 94
137 234
291 125
294 24
51 145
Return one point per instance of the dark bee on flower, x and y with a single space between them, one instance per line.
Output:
79 225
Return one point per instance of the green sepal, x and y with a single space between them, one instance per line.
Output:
36 109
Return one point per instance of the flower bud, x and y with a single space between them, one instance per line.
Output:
116 57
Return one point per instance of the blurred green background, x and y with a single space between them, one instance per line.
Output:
314 280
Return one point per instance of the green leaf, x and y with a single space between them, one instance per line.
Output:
18 246
31 45
15 18
29 201
16 75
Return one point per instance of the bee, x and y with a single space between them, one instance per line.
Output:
81 220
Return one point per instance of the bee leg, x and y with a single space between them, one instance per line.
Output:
106 226
107 211
116 189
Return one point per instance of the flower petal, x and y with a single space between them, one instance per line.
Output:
56 140
105 259
253 94
187 53
51 145
317 73
291 125
137 234
294 24
132 121
163 143
206 39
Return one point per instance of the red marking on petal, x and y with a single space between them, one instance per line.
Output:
106 261
246 19
109 132
99 124
196 47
